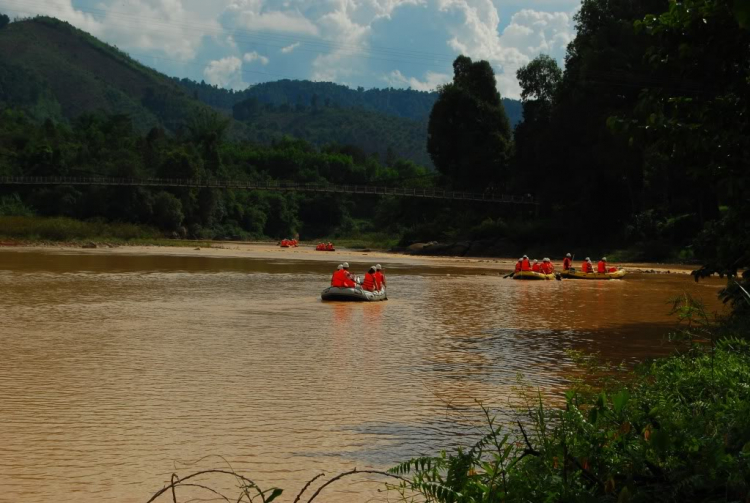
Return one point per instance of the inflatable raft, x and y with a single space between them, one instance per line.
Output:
335 293
532 275
574 274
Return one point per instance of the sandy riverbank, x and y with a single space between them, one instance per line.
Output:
271 251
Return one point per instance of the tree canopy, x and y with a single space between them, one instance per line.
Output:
469 136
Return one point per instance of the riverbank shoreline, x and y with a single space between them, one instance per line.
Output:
306 251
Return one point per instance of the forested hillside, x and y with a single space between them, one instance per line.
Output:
387 136
406 103
53 70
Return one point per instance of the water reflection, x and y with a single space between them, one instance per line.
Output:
116 366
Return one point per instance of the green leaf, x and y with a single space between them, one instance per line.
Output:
593 415
619 400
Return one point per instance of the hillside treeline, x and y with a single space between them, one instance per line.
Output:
108 145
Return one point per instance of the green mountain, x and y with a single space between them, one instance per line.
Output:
388 122
53 70
406 103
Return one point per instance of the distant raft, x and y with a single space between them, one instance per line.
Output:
340 294
532 275
574 274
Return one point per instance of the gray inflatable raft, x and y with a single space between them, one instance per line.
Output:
335 293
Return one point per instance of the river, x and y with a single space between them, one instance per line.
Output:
120 367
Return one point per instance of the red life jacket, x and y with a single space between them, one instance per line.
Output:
567 263
338 278
586 267
518 266
370 282
547 268
613 269
601 267
536 267
380 277
525 266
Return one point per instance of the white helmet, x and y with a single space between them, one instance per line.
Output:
546 260
378 267
568 255
346 265
341 266
525 256
604 259
535 261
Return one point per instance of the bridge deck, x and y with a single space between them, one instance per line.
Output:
271 186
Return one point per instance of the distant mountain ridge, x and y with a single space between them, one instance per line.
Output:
405 103
51 69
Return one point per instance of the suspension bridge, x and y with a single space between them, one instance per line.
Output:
424 193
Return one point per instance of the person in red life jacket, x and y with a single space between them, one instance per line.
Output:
547 267
370 282
329 246
337 279
601 267
525 264
348 279
567 262
537 267
518 265
380 276
587 266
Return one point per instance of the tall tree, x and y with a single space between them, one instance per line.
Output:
4 21
695 124
539 80
469 136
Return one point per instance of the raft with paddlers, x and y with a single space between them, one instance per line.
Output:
325 247
532 275
289 243
335 293
576 274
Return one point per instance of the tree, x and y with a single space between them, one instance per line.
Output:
697 124
167 211
539 79
4 21
469 136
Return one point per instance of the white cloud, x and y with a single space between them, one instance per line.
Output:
288 49
254 56
258 15
528 34
362 42
225 72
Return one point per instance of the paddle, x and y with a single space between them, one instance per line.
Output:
509 275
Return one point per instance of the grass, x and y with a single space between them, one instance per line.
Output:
371 240
30 228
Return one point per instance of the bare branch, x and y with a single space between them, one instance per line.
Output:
308 485
354 472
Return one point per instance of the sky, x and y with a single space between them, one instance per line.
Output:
368 43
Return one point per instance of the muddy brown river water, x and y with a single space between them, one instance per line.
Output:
120 367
